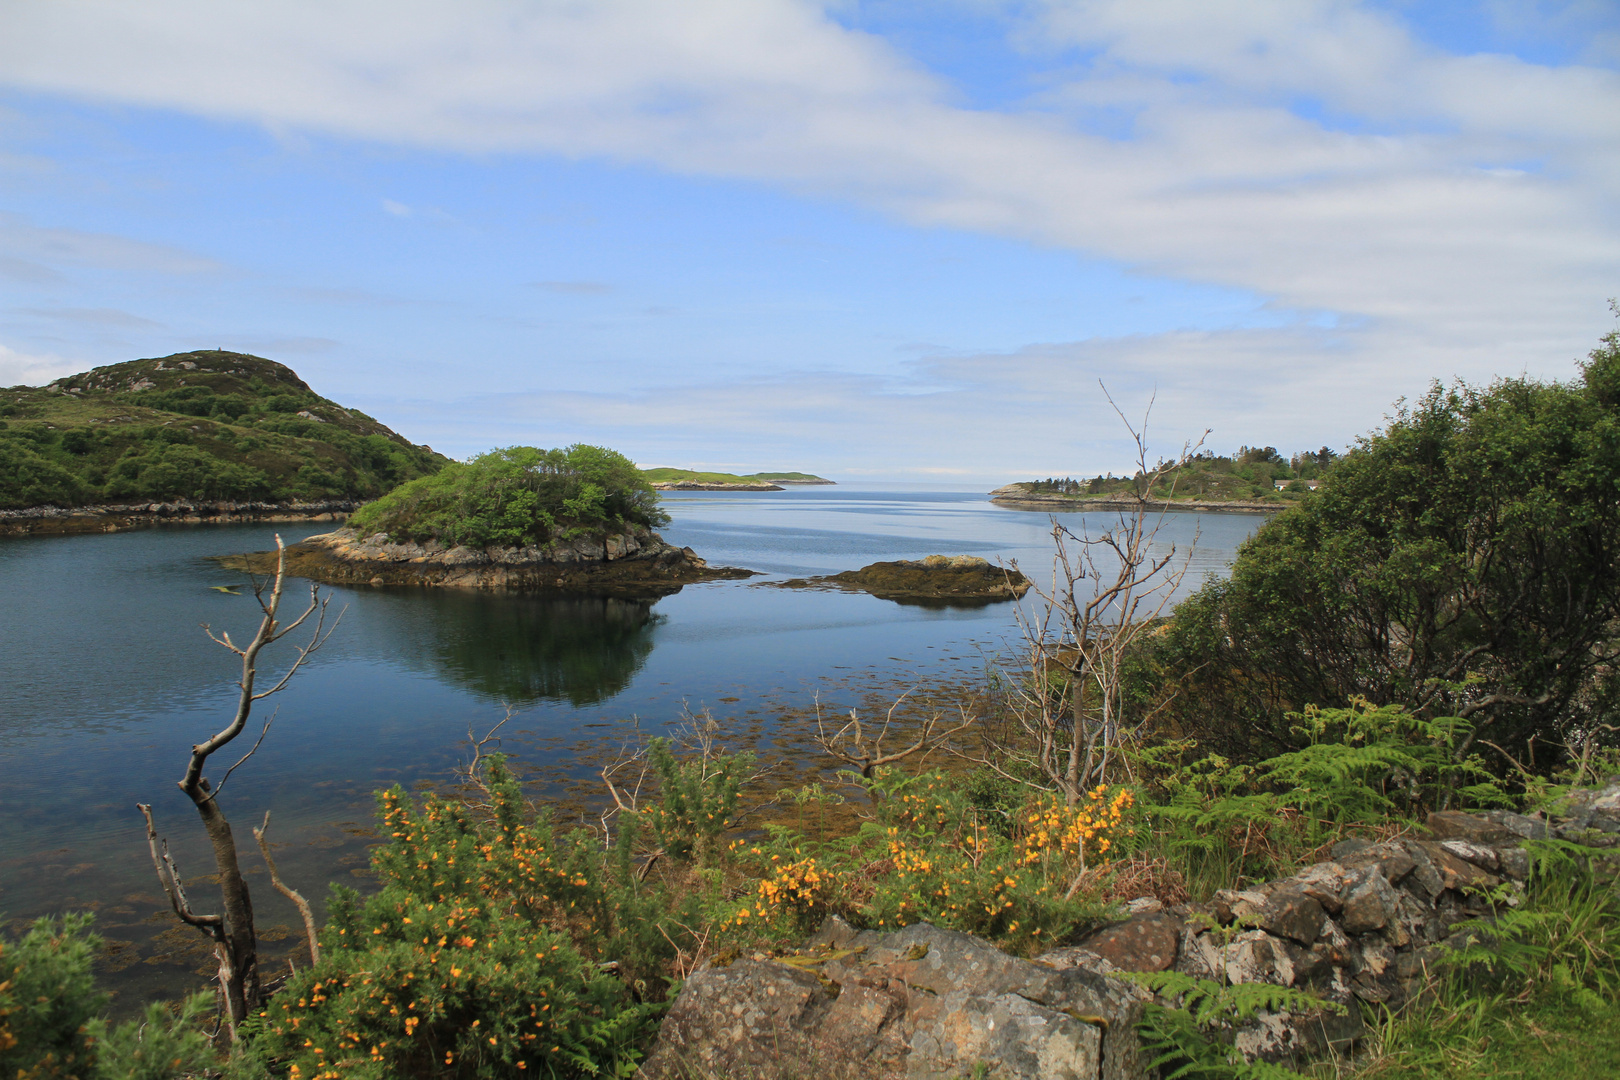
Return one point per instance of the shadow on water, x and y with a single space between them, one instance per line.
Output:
521 649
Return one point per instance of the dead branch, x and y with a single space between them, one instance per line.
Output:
286 890
854 747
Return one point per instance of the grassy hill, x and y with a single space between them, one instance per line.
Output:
673 476
208 425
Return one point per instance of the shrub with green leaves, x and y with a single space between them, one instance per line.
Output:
516 496
482 954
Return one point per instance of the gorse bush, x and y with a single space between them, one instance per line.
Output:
515 496
930 853
49 1027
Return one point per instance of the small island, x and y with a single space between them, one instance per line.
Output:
577 519
936 581
692 480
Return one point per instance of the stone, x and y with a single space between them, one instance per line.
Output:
1456 825
1144 905
1478 854
1528 828
1238 906
1425 880
1369 903
1515 863
1290 913
918 1003
1322 882
1145 943
1455 873
1254 957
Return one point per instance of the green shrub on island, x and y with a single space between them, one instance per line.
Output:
514 497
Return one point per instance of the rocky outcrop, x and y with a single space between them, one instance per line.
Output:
635 562
937 579
1366 925
921 1003
55 520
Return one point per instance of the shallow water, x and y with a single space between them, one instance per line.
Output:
106 679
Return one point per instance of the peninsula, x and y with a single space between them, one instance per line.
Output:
664 479
1251 480
197 436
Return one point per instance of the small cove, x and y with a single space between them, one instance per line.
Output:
106 679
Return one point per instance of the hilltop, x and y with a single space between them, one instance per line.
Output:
211 426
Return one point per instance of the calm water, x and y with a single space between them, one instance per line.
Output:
106 680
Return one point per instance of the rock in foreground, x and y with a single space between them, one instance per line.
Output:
634 562
920 1003
938 579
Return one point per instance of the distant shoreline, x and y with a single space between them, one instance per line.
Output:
80 520
1014 497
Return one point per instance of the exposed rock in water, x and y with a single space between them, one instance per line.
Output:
938 580
636 562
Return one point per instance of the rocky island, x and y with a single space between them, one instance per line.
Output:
578 519
936 580
634 562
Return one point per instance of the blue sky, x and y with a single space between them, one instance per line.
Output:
872 240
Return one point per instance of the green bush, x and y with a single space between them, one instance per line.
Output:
49 1029
515 496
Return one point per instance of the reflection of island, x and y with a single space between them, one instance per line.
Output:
521 648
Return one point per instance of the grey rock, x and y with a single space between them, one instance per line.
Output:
1145 943
1290 913
1528 828
1456 825
1369 903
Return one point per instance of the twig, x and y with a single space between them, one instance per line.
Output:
285 890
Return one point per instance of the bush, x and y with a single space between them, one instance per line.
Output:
516 496
1463 561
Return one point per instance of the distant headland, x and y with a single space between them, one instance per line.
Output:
664 479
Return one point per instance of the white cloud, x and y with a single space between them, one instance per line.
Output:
33 369
1453 214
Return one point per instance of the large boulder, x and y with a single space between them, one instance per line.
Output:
920 1003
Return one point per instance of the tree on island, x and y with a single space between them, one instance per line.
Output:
516 496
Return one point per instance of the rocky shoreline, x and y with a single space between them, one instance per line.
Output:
75 520
636 562
696 485
1014 497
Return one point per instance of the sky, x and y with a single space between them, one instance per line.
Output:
884 240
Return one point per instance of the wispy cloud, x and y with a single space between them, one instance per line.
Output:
34 369
27 245
100 317
582 288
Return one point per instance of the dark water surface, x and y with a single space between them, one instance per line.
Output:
106 680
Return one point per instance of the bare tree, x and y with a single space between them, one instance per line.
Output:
232 930
1107 589
862 750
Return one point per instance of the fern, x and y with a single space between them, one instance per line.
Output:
1185 1039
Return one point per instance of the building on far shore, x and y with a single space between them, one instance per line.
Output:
1282 485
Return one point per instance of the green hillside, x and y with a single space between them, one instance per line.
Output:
1250 475
208 425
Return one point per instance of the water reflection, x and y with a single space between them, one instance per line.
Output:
521 648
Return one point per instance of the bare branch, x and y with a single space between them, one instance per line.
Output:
285 890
